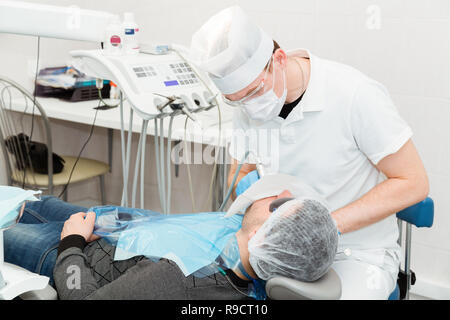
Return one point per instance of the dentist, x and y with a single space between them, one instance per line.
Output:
328 124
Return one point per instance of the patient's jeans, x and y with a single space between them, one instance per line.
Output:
33 242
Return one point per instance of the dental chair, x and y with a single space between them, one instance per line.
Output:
329 286
18 282
420 215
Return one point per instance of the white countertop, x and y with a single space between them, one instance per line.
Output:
83 112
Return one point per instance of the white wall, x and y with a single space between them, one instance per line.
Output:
401 43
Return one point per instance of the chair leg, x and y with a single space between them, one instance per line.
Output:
66 194
408 259
102 189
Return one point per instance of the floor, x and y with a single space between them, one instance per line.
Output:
417 297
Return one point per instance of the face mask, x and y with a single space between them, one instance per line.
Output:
268 105
11 201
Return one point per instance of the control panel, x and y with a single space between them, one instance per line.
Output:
147 79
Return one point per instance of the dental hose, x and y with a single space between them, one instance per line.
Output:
213 177
126 161
122 142
169 180
129 138
162 163
191 190
138 158
208 199
230 189
177 49
144 141
158 166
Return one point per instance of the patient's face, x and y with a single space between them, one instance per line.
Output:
259 211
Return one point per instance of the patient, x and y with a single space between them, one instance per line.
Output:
56 239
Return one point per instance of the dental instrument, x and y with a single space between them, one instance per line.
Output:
158 82
157 86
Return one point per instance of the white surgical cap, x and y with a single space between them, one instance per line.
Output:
298 241
232 49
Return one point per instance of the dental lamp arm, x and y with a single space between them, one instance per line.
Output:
70 22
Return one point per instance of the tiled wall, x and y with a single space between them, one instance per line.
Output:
404 44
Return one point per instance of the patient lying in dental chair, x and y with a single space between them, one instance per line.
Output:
278 236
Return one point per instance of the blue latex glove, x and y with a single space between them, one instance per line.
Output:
246 182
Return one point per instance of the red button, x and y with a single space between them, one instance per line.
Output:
115 40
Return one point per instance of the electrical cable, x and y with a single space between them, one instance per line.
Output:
105 105
99 85
99 107
232 284
81 151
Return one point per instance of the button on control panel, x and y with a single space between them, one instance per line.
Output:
144 71
184 73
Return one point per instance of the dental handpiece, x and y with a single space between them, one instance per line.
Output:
260 167
189 114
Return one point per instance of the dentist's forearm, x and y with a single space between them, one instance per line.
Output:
388 197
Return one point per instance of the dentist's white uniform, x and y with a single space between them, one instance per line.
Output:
332 140
343 126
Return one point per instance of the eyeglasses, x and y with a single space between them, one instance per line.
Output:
259 90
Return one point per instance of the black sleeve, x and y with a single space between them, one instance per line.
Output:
74 240
74 280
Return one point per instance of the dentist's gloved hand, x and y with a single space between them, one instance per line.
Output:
246 182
